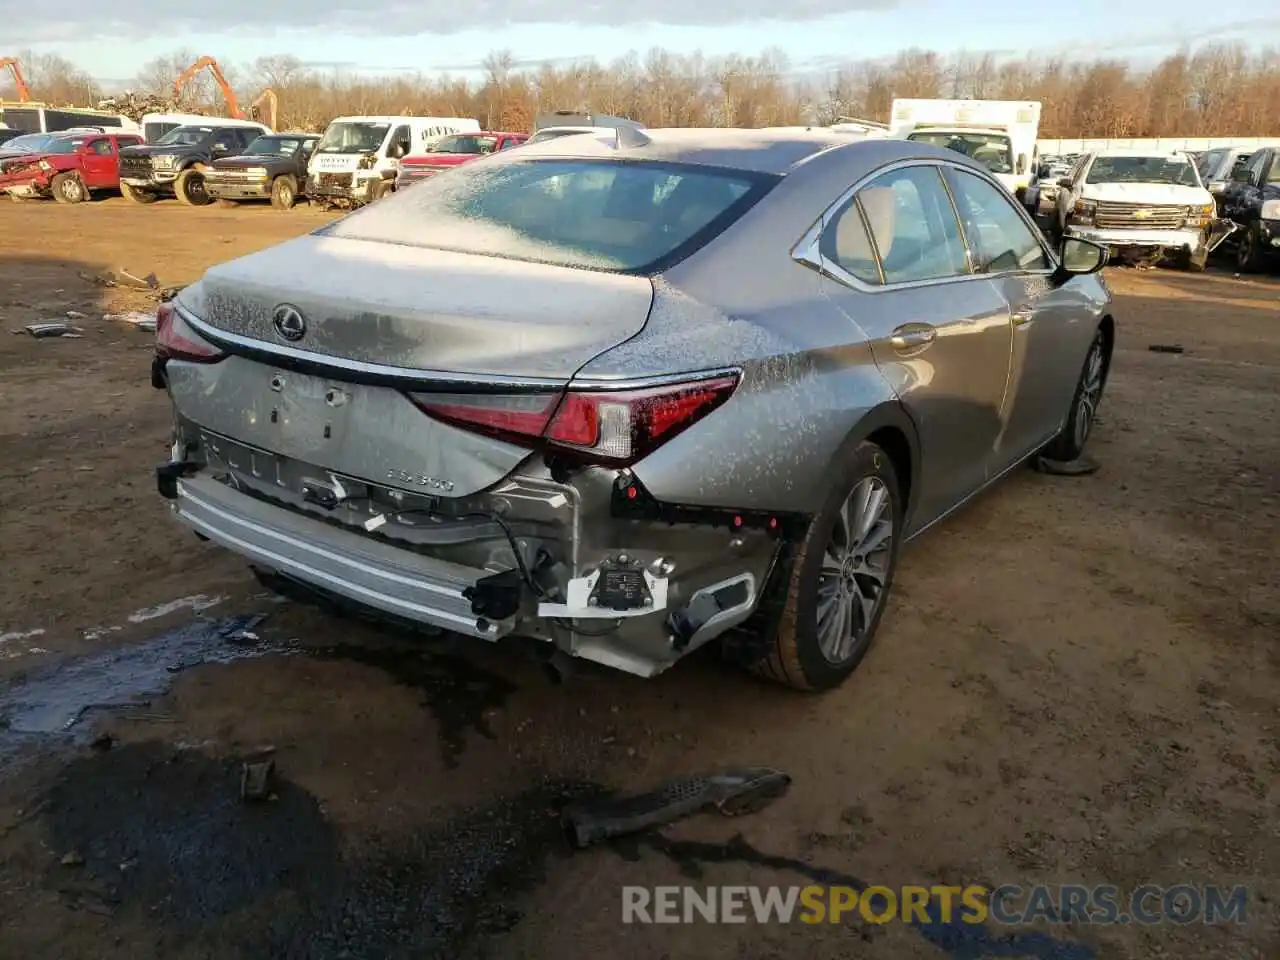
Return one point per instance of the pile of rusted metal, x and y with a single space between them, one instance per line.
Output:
134 105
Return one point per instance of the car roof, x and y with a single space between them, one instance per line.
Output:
775 151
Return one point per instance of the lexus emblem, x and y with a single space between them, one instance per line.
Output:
289 322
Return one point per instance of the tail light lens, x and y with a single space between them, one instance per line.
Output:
607 426
175 340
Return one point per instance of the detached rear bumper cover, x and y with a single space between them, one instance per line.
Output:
395 581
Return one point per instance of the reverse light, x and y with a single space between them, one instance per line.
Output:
606 426
175 340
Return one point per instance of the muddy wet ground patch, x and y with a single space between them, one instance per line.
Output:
160 840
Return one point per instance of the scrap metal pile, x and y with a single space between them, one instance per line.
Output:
134 105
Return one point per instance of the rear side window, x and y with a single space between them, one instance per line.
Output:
622 216
914 226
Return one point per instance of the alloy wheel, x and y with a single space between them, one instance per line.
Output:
855 570
1090 392
71 189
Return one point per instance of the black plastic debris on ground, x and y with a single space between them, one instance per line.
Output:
1080 467
275 879
732 793
54 700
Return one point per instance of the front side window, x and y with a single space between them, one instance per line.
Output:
102 148
913 226
597 214
999 239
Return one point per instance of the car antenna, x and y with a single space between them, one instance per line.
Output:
632 137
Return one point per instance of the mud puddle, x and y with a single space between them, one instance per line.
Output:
146 832
56 700
458 693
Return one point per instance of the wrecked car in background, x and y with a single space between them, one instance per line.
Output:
175 165
607 394
453 151
1252 201
357 159
69 168
1143 206
273 167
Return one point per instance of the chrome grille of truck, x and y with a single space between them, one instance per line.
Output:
1112 215
135 166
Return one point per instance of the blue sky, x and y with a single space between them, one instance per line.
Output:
353 34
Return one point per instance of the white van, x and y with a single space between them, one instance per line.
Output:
156 125
357 159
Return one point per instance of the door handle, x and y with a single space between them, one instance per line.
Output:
912 337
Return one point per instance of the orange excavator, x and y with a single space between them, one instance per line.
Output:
24 92
268 99
233 105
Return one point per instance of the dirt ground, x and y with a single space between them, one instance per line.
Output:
1076 683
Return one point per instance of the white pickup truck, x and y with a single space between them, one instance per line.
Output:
999 134
1141 205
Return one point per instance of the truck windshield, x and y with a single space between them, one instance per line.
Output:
992 150
464 143
64 145
274 147
185 137
1176 170
594 214
353 136
29 143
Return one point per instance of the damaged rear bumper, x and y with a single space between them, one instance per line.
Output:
591 565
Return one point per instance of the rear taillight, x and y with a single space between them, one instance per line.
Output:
610 426
175 340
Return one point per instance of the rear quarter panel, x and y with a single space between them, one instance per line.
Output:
809 377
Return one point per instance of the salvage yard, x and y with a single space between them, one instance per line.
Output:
1075 683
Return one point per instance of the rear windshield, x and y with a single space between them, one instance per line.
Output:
621 216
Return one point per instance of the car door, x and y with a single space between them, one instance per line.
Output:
1045 317
1070 191
98 163
893 261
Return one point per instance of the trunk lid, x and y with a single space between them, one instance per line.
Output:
420 309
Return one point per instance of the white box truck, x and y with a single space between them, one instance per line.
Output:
999 134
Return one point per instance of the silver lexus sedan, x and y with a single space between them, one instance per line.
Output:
627 394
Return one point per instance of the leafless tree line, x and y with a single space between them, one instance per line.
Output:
1222 89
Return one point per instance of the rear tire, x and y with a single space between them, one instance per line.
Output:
68 188
134 195
840 581
284 192
1070 443
189 188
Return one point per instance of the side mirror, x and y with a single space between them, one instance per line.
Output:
396 151
1081 256
1064 183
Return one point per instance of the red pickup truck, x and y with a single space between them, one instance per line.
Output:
454 150
69 168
